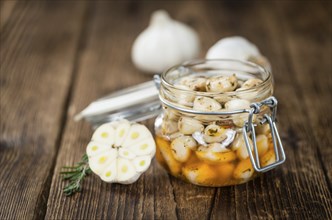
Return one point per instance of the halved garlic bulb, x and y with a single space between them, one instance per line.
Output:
120 152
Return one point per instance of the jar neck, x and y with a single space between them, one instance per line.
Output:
179 97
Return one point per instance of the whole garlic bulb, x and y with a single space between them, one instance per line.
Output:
238 48
164 43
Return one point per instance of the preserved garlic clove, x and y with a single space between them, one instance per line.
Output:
114 156
171 114
238 142
200 174
184 98
206 104
244 170
194 83
230 135
188 125
198 136
214 133
225 172
239 104
169 127
250 83
179 149
268 158
221 84
175 135
262 144
173 165
206 154
239 146
189 142
263 129
218 148
242 152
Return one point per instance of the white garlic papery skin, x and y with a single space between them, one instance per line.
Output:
237 48
233 48
164 43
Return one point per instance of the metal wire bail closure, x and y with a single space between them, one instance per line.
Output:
249 128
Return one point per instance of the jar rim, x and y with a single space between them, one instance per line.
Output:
266 81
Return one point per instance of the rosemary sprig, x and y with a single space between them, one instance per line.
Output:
75 175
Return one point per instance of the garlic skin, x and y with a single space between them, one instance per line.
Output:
238 48
164 43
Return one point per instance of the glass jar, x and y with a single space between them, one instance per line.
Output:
217 127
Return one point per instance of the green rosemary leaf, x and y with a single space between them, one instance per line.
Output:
75 175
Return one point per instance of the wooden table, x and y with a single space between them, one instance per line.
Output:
56 57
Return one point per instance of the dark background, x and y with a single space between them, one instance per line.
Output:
58 56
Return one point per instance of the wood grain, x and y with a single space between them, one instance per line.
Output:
6 9
37 53
309 42
106 66
298 188
58 57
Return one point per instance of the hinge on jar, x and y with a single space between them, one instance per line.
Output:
280 156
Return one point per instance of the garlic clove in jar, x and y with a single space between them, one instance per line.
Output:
206 104
184 97
166 153
250 83
214 133
237 48
189 125
221 84
243 170
239 104
206 154
164 43
179 150
268 158
262 144
169 127
200 173
194 83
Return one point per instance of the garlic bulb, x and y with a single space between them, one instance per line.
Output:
237 48
164 43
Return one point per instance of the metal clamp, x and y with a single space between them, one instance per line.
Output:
249 128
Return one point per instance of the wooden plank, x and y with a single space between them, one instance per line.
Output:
298 188
193 202
105 65
309 43
6 9
37 53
